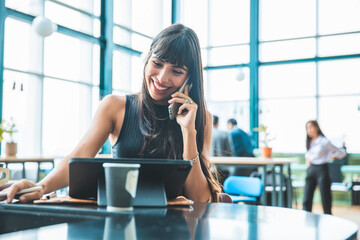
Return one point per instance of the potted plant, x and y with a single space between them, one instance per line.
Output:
2 130
11 145
266 150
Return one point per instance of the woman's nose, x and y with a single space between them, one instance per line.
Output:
163 76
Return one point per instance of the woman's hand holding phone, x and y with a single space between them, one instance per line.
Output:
186 119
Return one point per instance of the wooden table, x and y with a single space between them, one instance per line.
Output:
23 160
264 163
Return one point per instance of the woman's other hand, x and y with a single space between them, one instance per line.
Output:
20 185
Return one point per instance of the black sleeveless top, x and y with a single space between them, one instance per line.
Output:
130 141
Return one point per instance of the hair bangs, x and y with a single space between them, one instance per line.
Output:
176 51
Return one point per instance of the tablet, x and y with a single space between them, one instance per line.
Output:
159 179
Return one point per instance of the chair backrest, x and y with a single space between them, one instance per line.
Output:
239 185
335 172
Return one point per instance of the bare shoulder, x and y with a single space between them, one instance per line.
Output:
114 99
113 103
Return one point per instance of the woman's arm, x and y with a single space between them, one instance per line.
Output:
102 125
337 152
196 186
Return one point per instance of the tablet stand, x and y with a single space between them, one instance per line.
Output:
150 192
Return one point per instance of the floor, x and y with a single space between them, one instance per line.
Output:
351 213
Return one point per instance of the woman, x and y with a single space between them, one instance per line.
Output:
319 151
138 125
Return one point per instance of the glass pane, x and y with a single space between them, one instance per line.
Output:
147 16
96 65
137 69
22 101
95 99
92 6
237 18
289 80
225 85
69 58
339 45
74 19
121 36
226 110
286 50
195 16
286 120
339 118
121 71
33 7
67 115
140 43
229 55
122 12
204 57
18 45
339 77
339 16
283 19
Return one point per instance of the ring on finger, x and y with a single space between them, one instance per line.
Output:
186 101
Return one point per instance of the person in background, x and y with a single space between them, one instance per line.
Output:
319 151
242 146
220 144
242 143
138 125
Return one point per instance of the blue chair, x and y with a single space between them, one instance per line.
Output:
243 189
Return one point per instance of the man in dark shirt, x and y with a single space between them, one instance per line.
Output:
242 146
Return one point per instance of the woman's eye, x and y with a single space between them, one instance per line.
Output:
177 72
157 64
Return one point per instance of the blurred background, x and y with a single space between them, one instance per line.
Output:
274 62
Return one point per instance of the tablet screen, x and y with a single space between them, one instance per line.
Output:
86 173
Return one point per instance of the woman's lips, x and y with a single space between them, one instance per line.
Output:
158 88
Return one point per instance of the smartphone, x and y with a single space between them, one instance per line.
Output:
174 107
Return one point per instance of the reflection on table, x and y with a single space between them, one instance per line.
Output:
201 221
264 163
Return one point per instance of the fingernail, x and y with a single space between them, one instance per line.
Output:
22 199
8 201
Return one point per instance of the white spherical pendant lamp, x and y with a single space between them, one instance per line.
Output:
43 26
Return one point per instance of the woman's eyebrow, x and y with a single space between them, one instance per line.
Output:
177 66
174 65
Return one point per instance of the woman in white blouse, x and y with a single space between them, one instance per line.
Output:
319 151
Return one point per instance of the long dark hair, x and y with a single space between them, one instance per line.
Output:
320 133
178 45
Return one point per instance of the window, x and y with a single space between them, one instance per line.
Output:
339 118
297 79
228 96
282 19
286 120
50 86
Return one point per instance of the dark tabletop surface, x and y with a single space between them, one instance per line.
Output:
201 221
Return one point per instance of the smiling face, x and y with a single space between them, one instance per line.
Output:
163 79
